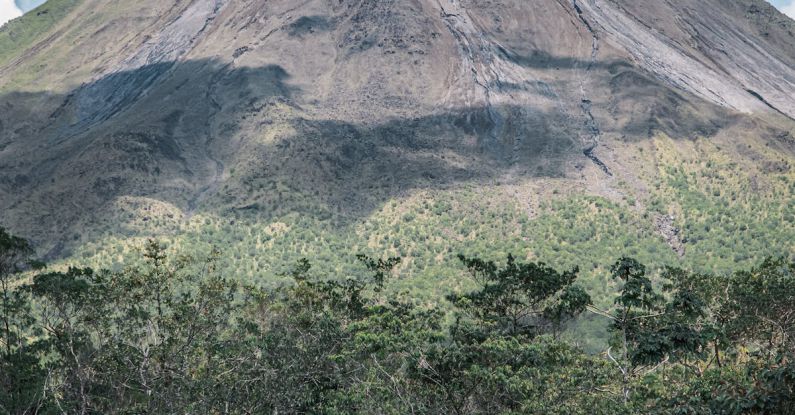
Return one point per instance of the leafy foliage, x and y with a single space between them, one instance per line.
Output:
520 299
171 334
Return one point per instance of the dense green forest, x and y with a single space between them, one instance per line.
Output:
730 214
172 334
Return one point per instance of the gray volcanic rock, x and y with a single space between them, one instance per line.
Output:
188 102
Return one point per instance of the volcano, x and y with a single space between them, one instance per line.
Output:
281 128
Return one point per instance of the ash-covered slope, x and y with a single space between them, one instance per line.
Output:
170 109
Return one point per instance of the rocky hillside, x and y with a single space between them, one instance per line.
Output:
283 128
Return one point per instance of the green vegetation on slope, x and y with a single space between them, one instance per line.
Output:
425 230
732 210
731 215
732 203
20 34
170 334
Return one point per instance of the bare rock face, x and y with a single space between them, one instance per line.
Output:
183 102
666 228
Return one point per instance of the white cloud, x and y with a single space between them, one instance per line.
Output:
789 10
8 11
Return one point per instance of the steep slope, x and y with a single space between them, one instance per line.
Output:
288 128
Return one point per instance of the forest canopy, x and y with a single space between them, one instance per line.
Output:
171 334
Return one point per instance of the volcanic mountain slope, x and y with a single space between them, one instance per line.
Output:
563 129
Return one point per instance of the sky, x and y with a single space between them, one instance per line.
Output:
786 6
10 9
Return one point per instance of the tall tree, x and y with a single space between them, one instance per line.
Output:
519 299
502 355
21 375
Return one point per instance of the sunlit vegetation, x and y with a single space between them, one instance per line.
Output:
731 212
169 332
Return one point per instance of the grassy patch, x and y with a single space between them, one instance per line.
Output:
20 34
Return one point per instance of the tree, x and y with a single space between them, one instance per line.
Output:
519 299
171 335
673 326
144 340
15 256
503 355
760 307
333 345
21 376
68 311
635 306
751 317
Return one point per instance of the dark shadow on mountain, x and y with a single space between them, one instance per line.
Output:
155 131
306 25
350 170
639 103
644 106
191 134
99 101
539 59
